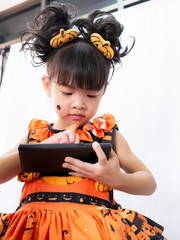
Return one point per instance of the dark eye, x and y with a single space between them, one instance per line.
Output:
67 93
92 96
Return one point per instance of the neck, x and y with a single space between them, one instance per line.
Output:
59 125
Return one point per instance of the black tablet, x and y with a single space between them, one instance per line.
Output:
48 158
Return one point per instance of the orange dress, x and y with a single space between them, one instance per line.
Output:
69 208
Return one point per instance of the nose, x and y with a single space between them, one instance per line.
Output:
79 102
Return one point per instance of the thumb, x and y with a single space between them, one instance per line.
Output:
100 153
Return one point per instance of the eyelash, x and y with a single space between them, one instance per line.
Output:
91 96
69 94
66 93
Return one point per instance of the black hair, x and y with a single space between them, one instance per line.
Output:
77 62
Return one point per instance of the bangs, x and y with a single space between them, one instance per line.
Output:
79 65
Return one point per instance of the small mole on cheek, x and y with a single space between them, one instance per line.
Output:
58 107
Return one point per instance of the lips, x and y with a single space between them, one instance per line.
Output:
76 116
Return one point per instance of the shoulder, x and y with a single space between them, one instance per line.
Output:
121 143
122 148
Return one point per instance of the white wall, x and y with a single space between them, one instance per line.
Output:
143 96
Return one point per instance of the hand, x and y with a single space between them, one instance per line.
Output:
104 171
67 136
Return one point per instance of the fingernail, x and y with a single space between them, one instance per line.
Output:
66 159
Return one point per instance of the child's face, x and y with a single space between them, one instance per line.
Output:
74 105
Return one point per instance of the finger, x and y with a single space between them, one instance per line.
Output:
77 138
113 156
64 138
75 171
100 153
72 136
76 174
77 165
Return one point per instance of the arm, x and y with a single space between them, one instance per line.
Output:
123 171
10 164
135 177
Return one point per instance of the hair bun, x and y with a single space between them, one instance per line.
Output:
59 16
108 27
46 25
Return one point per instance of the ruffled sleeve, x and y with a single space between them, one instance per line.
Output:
100 125
38 132
106 122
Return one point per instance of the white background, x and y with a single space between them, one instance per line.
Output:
143 96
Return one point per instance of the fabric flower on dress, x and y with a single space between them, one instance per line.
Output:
105 122
100 124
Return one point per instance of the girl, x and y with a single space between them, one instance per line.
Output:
78 55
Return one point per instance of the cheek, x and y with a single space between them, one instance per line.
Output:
94 107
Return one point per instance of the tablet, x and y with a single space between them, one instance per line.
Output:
48 158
